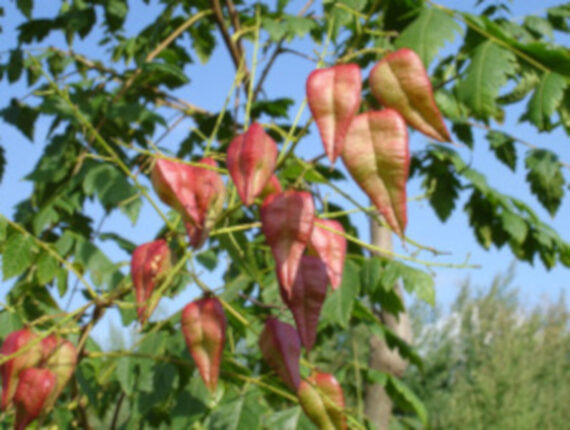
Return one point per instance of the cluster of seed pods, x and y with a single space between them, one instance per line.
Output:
34 378
309 252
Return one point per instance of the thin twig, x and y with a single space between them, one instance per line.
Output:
232 47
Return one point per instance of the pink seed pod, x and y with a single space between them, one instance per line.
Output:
204 328
333 95
400 81
251 160
378 158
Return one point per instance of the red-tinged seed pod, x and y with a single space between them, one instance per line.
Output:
12 368
251 160
329 247
196 192
281 349
287 223
204 328
378 158
210 191
172 182
150 263
60 357
333 95
307 298
400 81
34 387
322 399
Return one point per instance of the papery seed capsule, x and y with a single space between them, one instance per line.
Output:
204 328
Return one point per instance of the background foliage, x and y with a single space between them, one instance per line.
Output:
492 363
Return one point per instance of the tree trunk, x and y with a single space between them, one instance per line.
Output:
378 406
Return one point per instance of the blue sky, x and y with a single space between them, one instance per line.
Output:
208 89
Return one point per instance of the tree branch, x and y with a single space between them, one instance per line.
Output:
234 51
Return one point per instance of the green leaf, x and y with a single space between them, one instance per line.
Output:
464 133
164 381
370 274
15 65
17 256
428 34
539 26
9 322
528 81
102 270
421 283
441 184
338 304
126 374
406 398
3 228
488 71
22 116
299 25
47 267
62 281
34 29
124 244
289 419
503 146
515 226
113 190
545 99
203 42
208 259
276 29
163 73
545 178
277 108
374 376
558 17
25 7
241 413
187 410
236 285
414 280
115 14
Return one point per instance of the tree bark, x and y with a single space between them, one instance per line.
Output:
378 405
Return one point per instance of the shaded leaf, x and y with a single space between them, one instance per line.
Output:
545 178
22 116
240 413
503 146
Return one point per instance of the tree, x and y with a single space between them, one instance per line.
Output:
111 117
494 364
